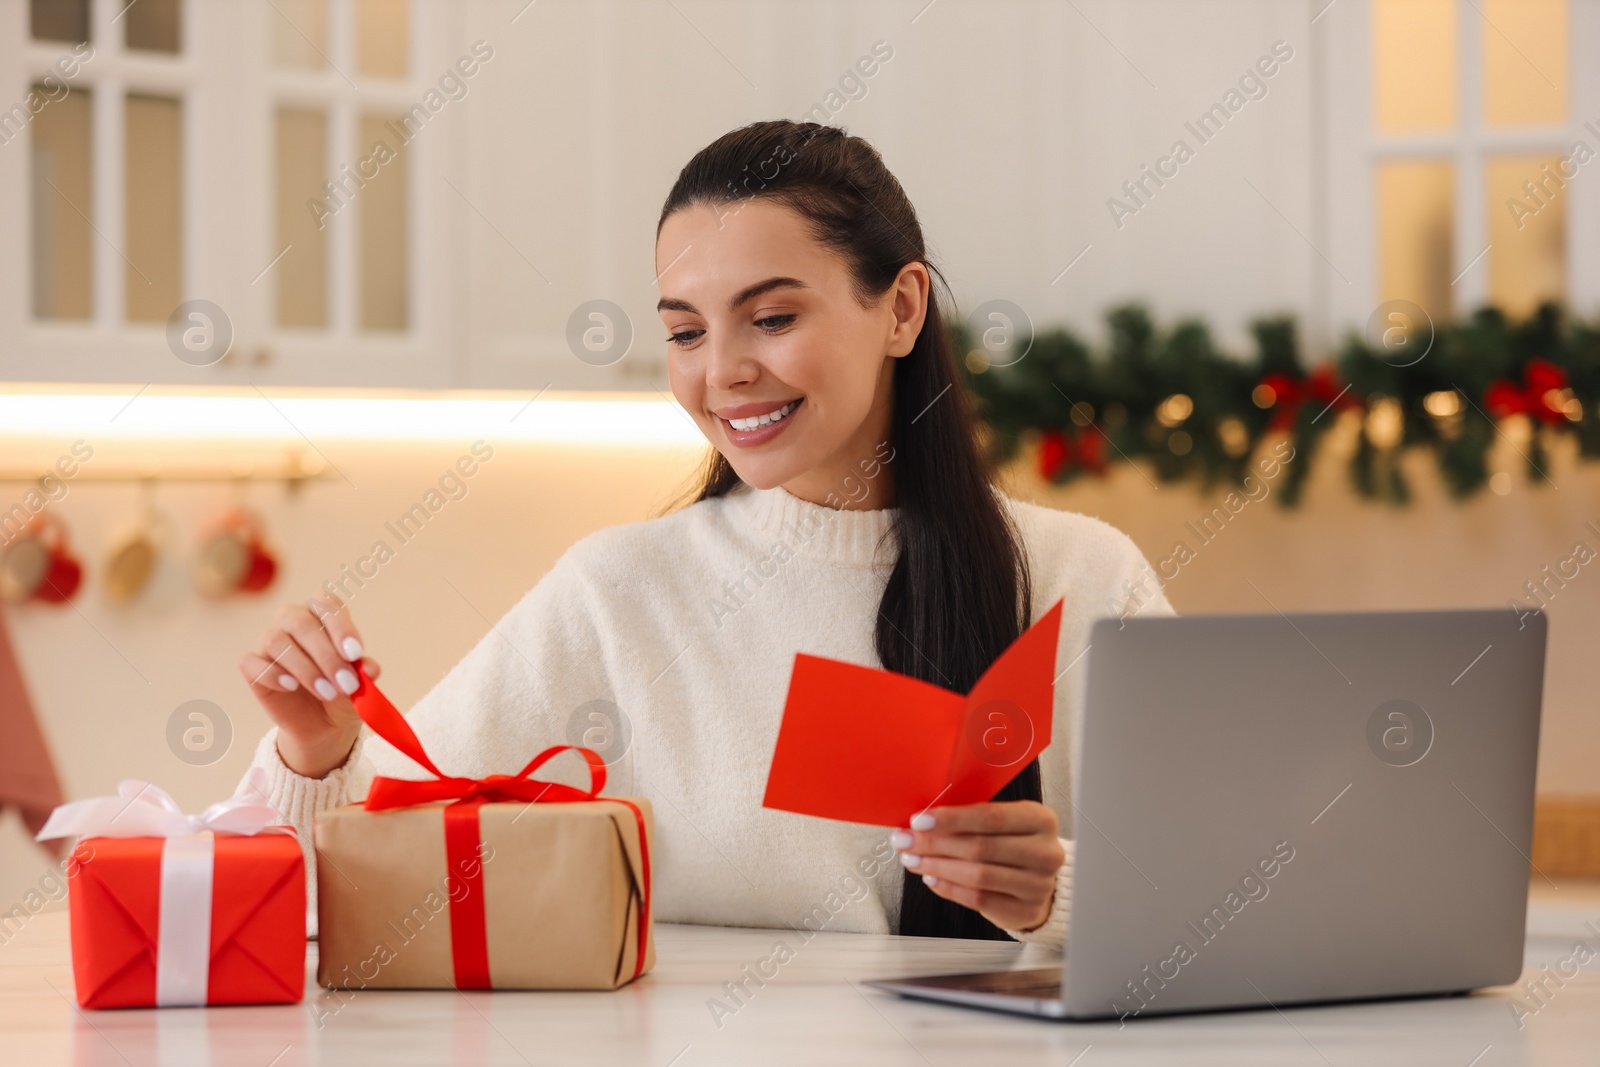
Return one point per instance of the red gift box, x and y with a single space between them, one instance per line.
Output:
173 910
257 937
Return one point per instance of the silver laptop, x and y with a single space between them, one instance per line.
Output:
1292 809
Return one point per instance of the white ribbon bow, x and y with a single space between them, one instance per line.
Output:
143 810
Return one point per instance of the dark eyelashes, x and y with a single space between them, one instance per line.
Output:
768 324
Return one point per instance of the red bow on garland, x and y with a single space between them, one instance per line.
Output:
1057 450
1289 395
1540 395
469 944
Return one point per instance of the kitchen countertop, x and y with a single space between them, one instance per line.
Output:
813 1011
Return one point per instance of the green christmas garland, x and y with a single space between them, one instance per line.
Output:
1194 412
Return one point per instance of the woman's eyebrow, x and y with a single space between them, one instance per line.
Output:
748 293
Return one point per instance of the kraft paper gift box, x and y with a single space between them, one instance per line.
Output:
501 883
557 897
170 910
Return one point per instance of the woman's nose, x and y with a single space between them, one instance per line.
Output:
729 365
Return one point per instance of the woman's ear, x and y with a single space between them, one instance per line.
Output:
908 302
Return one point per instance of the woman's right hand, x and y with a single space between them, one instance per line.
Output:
301 671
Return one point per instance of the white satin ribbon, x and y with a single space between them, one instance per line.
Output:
183 946
183 942
143 810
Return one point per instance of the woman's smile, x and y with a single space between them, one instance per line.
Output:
748 425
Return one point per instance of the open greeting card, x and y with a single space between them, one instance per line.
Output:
872 746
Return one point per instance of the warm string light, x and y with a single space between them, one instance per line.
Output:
1172 412
1442 404
1385 422
1175 409
1235 436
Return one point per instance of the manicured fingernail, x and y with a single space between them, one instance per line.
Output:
352 649
324 689
900 839
288 682
347 680
922 821
929 879
910 860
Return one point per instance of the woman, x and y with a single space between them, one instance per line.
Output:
845 512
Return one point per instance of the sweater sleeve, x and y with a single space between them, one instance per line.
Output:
299 799
1145 593
1052 933
509 697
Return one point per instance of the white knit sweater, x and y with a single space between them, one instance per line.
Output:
690 623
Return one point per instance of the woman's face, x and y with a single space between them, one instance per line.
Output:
787 375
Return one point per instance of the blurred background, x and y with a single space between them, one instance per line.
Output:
282 281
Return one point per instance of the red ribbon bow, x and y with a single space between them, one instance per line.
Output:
1540 395
469 939
1057 450
1289 395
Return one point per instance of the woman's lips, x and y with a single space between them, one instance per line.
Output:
761 434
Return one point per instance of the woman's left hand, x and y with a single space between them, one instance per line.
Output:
1000 858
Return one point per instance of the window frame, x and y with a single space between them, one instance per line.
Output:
1354 148
344 101
228 162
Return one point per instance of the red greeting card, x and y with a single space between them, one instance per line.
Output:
872 746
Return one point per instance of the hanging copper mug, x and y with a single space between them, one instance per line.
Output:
38 563
232 557
134 557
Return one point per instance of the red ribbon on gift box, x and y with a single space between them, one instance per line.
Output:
469 936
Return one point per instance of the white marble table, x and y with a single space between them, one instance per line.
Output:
812 1012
